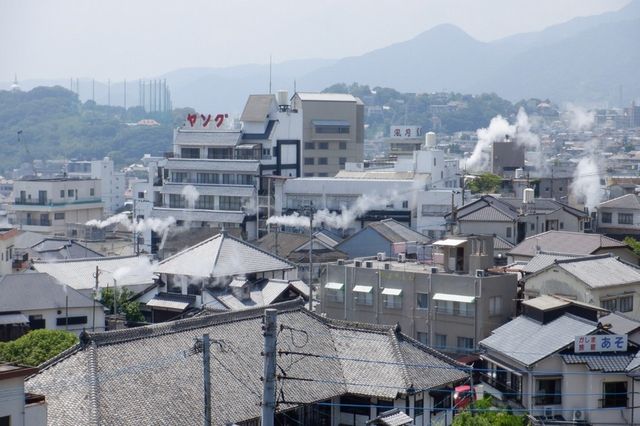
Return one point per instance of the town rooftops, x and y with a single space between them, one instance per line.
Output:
564 242
220 256
152 374
628 201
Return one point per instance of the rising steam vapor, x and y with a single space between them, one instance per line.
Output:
586 182
122 218
498 128
191 195
160 226
143 268
580 119
341 220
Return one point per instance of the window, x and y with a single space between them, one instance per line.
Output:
561 225
365 299
211 178
141 195
176 201
230 203
309 145
5 421
441 341
465 344
609 304
62 193
392 302
92 192
309 175
342 161
335 295
614 394
309 161
422 337
606 217
220 153
508 232
343 146
37 322
533 226
228 179
190 152
323 145
625 218
205 202
548 391
495 305
58 216
405 204
179 177
323 174
70 193
245 180
323 161
328 129
625 303
71 320
422 300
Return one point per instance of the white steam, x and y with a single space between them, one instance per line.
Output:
580 119
520 132
143 268
341 220
191 195
151 223
586 182
121 218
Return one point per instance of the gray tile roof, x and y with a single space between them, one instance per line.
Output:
396 232
209 138
500 243
527 341
32 291
542 260
600 271
620 323
628 201
219 256
147 375
492 208
607 363
60 249
564 242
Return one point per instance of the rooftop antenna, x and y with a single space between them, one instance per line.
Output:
125 96
109 92
270 64
93 90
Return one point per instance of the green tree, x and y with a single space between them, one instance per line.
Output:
36 347
130 308
485 183
483 413
633 243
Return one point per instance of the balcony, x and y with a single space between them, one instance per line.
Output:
53 203
508 393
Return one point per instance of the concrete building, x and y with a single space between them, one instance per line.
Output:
17 407
450 311
619 217
7 245
113 184
506 157
51 205
332 131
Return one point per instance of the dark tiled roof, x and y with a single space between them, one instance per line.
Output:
628 201
60 249
147 375
607 363
396 232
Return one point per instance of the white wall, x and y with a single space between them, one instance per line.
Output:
12 400
51 315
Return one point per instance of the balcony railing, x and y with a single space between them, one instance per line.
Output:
507 391
52 203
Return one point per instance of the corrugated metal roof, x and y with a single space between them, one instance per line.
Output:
195 137
221 255
328 97
168 304
528 341
396 232
449 242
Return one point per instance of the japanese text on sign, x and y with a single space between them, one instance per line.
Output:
203 121
600 343
406 132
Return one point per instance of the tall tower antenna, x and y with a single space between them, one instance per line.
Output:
93 90
270 64
109 92
78 87
125 96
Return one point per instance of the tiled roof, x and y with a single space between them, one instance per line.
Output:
500 243
148 375
628 201
564 242
607 363
599 271
542 260
219 256
60 249
194 137
396 232
527 341
620 323
32 291
487 214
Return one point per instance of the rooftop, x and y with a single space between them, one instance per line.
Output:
257 108
328 97
628 201
564 242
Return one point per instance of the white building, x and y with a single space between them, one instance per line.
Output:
112 182
50 205
16 406
7 242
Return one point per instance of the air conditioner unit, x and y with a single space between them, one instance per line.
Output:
340 262
548 412
402 257
387 266
434 270
578 416
382 256
480 273
358 264
368 264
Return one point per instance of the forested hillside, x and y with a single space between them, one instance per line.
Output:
56 125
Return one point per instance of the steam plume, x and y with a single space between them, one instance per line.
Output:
191 195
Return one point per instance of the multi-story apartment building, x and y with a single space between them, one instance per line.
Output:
50 205
332 131
112 182
448 310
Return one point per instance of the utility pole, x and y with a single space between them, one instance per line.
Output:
206 365
95 294
269 376
115 302
310 259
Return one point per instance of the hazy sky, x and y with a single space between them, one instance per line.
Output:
143 38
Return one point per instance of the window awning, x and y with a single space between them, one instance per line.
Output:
168 304
330 123
13 319
362 289
392 291
334 286
453 298
449 242
247 146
